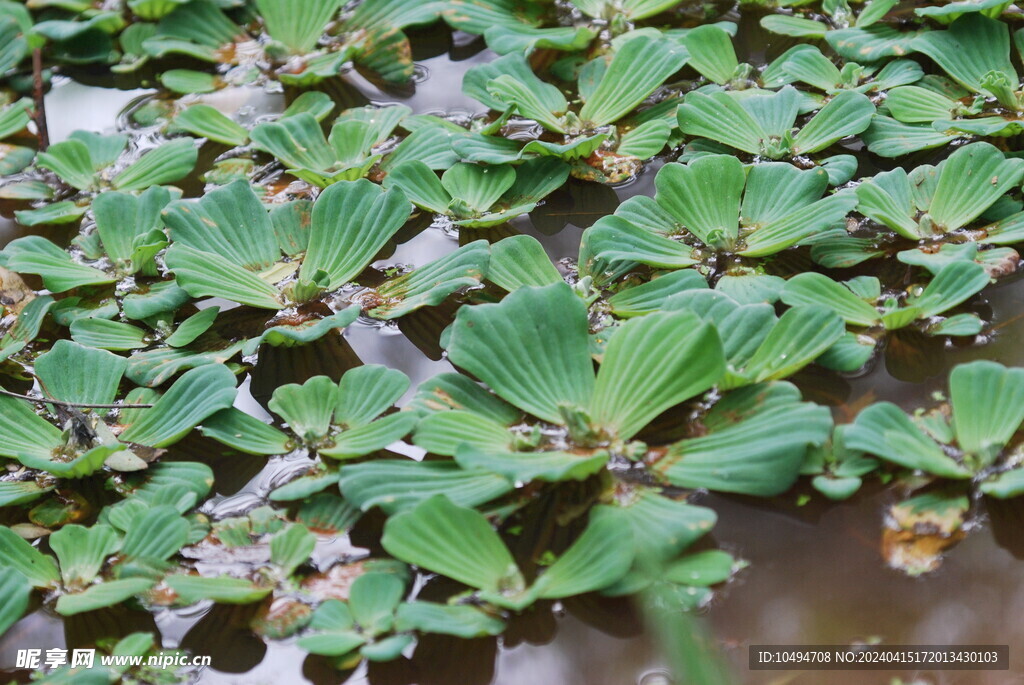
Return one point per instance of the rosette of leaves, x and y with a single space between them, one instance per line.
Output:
871 312
539 365
90 163
93 567
838 471
479 196
227 245
442 537
971 439
342 420
984 99
805 64
308 39
763 124
758 345
71 442
127 236
595 139
935 202
378 623
349 152
714 209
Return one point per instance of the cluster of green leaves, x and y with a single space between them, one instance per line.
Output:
654 364
296 42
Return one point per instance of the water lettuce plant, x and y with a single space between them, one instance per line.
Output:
609 90
477 196
863 304
228 245
713 208
342 420
71 444
763 123
933 201
969 440
983 100
348 153
308 42
89 163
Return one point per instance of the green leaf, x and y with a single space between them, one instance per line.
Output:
73 373
711 52
291 547
459 620
432 283
373 600
395 485
885 431
531 349
205 274
636 70
519 261
169 162
155 535
444 432
334 628
122 218
20 556
813 288
244 432
719 116
970 180
653 363
456 542
193 327
196 395
658 525
973 46
81 551
600 557
954 284
229 222
802 334
37 255
188 81
299 29
526 467
794 26
306 408
755 445
222 589
704 196
71 160
988 407
846 114
207 122
105 594
339 243
25 434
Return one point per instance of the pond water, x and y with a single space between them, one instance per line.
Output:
817 575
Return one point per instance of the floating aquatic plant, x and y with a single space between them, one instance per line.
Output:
609 91
763 124
713 208
227 245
